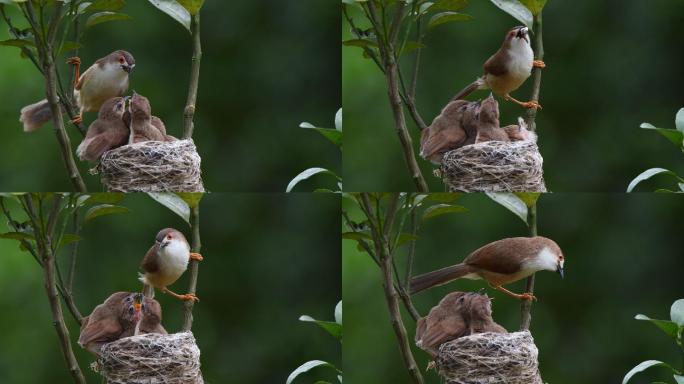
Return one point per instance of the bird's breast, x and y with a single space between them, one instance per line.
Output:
100 86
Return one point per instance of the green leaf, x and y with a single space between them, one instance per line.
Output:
16 236
448 5
331 327
193 6
647 174
338 120
679 120
103 17
306 174
68 239
535 6
192 199
515 9
174 203
511 202
406 237
309 365
642 367
673 135
363 43
441 209
104 198
447 17
175 10
410 46
356 236
338 313
69 46
440 197
104 209
668 327
679 379
333 135
677 312
105 5
17 43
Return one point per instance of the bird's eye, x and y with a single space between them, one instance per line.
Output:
560 257
169 237
130 310
121 60
512 33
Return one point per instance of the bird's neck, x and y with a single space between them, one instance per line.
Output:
544 260
137 327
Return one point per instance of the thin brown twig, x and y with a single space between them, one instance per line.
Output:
194 267
536 76
189 112
526 306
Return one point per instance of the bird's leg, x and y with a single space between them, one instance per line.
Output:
524 104
196 256
75 61
538 64
78 119
185 297
524 296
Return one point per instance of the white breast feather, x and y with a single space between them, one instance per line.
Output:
545 260
521 58
103 84
175 257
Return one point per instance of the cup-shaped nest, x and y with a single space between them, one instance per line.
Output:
490 358
150 359
494 166
152 166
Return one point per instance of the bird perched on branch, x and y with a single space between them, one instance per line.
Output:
106 78
498 263
144 126
458 314
107 132
166 261
508 68
123 314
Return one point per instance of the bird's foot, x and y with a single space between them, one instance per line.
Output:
78 119
538 64
189 296
531 104
527 296
74 60
196 256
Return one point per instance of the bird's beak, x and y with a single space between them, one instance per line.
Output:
127 68
561 271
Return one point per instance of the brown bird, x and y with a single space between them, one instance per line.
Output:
123 314
154 120
519 132
142 127
107 132
488 119
166 261
458 314
447 132
498 263
508 68
105 79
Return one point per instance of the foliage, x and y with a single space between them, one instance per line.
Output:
676 137
335 137
332 327
673 328
519 203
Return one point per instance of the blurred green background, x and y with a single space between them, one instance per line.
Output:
267 66
267 260
624 257
611 65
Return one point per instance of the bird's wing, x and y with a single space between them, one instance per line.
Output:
103 325
84 77
150 263
421 326
496 65
495 257
159 124
447 328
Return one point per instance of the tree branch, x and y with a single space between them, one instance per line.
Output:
536 76
526 306
189 112
194 268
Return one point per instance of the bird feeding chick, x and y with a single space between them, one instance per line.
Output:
165 262
122 314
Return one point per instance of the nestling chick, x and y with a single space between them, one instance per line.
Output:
123 314
141 125
105 133
166 261
106 78
446 132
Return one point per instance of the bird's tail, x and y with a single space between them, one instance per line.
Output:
474 86
148 289
438 277
35 115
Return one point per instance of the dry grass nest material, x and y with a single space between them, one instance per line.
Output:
152 166
490 358
494 166
151 359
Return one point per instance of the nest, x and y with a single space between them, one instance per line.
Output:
150 359
152 166
490 358
494 166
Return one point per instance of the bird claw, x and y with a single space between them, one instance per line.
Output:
531 105
196 256
538 64
74 60
527 296
189 296
77 120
